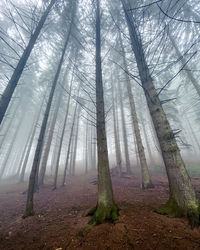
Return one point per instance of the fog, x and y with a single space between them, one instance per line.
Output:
105 89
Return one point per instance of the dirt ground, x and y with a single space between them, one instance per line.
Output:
59 220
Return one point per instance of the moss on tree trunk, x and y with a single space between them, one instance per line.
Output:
101 213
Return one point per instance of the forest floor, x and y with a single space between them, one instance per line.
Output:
59 219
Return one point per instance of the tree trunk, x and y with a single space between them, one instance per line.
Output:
32 180
106 209
49 139
182 199
69 146
75 143
146 180
30 143
128 168
8 92
86 149
62 137
116 134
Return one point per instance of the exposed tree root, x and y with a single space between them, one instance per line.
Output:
101 213
172 210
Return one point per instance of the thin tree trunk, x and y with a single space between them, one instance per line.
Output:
22 174
146 180
124 132
8 92
116 135
69 146
32 181
183 199
62 136
49 140
183 62
75 144
86 149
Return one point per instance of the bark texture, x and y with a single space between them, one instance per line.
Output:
182 194
106 209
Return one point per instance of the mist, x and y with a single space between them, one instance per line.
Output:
99 124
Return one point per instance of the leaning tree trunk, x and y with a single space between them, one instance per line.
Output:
12 84
106 209
69 146
182 199
49 140
35 167
24 166
146 180
62 137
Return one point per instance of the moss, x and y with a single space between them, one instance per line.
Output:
29 212
193 215
101 213
171 209
168 136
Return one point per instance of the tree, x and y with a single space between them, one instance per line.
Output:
182 199
12 84
106 209
35 167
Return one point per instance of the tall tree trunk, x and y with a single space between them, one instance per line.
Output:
22 174
106 209
146 180
32 180
86 149
69 146
75 143
116 134
62 137
49 139
182 199
23 155
125 140
8 92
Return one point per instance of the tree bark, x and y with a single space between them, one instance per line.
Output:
182 199
106 209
